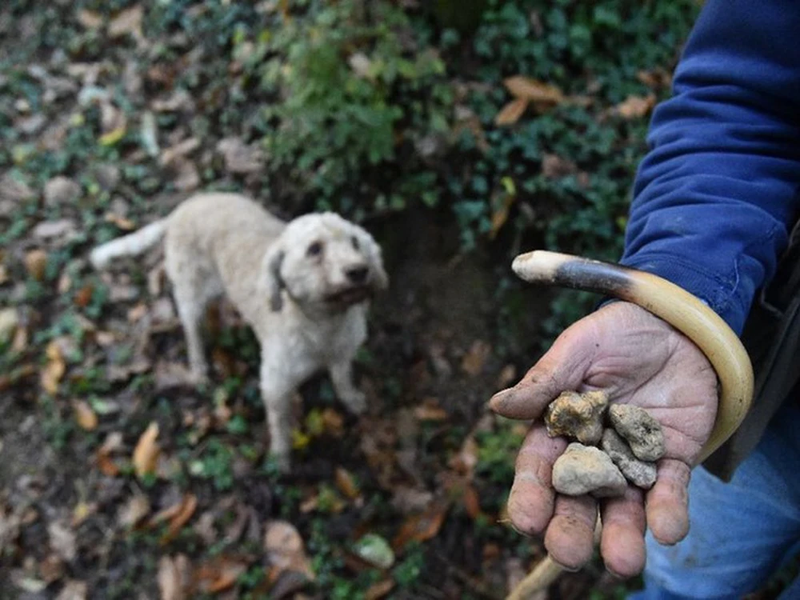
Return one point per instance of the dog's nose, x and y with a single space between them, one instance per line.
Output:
357 274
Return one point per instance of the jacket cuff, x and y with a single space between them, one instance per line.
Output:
726 298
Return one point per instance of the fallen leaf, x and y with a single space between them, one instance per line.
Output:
174 577
533 90
84 296
89 19
239 157
508 375
112 443
84 415
54 369
466 460
121 222
81 512
145 455
62 540
36 263
471 501
187 507
219 574
9 321
555 167
285 549
375 550
73 590
511 112
134 510
501 206
430 410
52 568
379 590
424 526
127 22
475 358
346 484
635 107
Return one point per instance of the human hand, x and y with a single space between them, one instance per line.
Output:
636 358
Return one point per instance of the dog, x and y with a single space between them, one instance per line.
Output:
303 286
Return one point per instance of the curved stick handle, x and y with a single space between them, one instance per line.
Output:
676 306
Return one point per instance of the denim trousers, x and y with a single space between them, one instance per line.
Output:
740 532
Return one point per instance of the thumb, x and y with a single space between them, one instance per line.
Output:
562 368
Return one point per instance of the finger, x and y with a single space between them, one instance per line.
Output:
570 535
531 500
561 368
622 542
668 502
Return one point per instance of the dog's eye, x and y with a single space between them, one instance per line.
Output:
314 249
354 241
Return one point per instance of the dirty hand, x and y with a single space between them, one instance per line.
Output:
638 359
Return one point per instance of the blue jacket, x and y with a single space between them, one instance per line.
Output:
718 193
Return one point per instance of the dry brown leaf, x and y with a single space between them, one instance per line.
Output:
84 296
187 507
112 443
174 577
84 415
62 540
555 167
51 568
346 484
127 22
145 455
73 590
500 213
134 510
285 549
475 358
533 90
122 223
430 410
54 369
422 527
466 460
511 112
507 376
635 107
219 574
90 19
81 512
379 590
471 501
36 263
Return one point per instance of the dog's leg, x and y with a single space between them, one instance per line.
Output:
191 315
342 377
276 392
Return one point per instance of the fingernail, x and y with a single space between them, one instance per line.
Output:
498 398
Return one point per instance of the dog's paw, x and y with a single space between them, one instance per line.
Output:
355 401
281 462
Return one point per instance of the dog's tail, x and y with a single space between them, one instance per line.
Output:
133 244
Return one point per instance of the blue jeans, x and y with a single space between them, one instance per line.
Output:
741 531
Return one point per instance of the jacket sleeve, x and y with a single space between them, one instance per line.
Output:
717 194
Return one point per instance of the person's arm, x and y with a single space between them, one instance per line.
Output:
717 192
714 200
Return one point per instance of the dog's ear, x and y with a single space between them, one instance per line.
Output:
375 257
274 281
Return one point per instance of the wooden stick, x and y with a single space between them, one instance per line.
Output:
685 312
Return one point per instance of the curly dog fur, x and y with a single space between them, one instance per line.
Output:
303 286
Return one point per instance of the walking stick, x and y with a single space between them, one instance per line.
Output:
676 306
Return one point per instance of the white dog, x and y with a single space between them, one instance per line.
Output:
302 286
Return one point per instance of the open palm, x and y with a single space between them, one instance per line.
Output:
636 358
